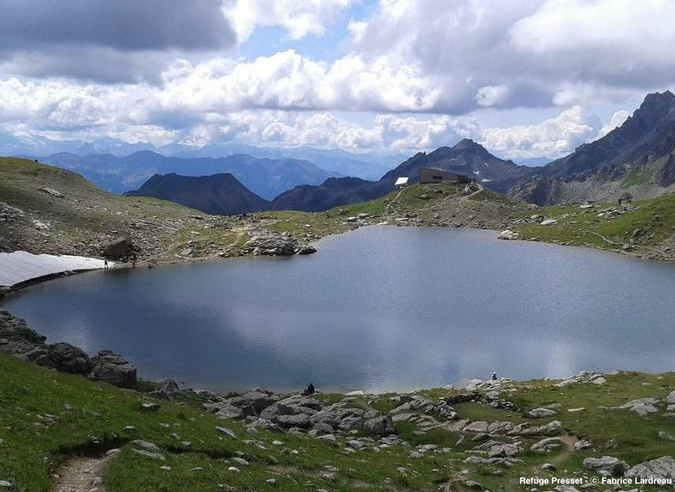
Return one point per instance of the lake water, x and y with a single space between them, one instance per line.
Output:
380 308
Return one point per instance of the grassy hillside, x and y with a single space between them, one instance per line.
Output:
646 229
47 418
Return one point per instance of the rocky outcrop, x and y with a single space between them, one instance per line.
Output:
120 249
17 339
379 426
660 469
112 369
267 243
606 466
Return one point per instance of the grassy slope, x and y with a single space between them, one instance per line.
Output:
655 218
89 418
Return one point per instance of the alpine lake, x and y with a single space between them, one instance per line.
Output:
378 309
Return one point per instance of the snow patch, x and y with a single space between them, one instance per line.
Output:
21 266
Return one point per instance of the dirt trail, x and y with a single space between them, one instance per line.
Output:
467 197
568 441
81 474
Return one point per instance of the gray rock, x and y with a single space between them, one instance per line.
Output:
228 411
226 432
660 468
379 426
252 402
607 465
4 484
504 451
538 413
150 454
52 192
321 428
641 406
112 369
68 358
150 407
328 438
580 445
552 428
478 426
546 445
666 436
119 249
670 399
274 411
168 390
306 249
147 446
301 420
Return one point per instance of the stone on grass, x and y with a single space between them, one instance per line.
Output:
379 426
607 465
226 432
660 468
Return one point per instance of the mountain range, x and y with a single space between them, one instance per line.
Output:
637 158
265 177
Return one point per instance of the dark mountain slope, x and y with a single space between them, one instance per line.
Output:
220 194
638 157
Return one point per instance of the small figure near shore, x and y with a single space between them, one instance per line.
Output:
105 264
310 390
494 376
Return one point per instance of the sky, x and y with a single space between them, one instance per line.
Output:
525 78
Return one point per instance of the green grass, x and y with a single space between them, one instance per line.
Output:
582 227
89 418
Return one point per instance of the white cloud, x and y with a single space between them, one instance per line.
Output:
299 18
551 138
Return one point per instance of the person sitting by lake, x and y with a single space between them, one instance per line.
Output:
310 390
494 376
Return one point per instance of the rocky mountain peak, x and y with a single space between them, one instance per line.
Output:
656 107
468 144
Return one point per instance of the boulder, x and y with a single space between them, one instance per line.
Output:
508 235
306 249
641 406
67 358
546 445
52 192
167 390
252 402
552 428
538 413
274 411
670 399
379 426
112 369
606 466
503 451
118 250
661 469
229 412
300 420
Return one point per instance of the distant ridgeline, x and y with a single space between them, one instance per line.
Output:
637 158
